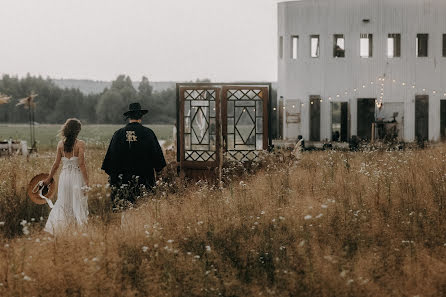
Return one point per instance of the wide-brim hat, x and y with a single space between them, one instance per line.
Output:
135 108
36 188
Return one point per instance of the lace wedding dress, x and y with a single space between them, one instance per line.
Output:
71 207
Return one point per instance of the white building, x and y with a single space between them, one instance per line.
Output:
344 64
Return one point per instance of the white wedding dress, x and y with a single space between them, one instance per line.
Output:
71 207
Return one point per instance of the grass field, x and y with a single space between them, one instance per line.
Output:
333 224
46 135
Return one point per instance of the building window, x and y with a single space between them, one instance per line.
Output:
281 47
294 46
339 46
444 45
422 45
366 45
315 46
394 45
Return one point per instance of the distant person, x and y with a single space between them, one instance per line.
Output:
71 207
132 158
298 148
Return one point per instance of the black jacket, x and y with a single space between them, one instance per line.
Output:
134 151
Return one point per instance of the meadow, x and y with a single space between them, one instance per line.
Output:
95 135
368 223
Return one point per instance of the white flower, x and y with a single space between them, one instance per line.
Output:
281 218
308 217
197 257
319 216
324 206
170 241
2 223
262 212
23 222
145 249
208 248
25 230
27 278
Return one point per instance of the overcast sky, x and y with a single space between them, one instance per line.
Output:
224 40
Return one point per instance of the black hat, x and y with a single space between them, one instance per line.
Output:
135 108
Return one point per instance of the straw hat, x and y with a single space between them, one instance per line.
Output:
39 193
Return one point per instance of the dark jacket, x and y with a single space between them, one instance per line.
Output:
134 151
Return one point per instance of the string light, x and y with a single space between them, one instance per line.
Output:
381 97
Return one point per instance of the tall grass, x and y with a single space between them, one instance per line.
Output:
333 224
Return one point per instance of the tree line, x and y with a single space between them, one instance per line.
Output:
55 104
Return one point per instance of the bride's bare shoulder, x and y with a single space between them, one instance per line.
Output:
81 143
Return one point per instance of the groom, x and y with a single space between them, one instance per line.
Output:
132 157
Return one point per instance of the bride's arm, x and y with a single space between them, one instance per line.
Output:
55 164
82 162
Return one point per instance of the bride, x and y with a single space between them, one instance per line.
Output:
71 207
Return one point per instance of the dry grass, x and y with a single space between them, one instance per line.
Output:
335 224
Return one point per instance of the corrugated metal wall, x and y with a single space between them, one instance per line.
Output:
328 76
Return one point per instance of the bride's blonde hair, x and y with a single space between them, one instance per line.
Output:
69 132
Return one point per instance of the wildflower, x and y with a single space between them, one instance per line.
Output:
27 278
262 212
95 259
23 222
319 216
343 273
308 217
25 230
170 241
2 223
200 222
281 218
197 257
208 248
324 206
